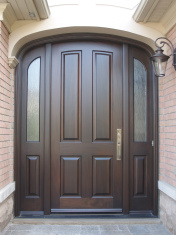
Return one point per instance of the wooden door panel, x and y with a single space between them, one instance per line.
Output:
102 67
102 176
31 194
86 203
86 83
140 175
141 132
71 176
79 123
71 96
33 176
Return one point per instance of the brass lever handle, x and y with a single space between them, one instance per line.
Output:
119 144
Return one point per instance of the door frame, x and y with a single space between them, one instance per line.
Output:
47 42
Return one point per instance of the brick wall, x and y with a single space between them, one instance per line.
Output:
167 120
6 111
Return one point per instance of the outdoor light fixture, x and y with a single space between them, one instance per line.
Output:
160 60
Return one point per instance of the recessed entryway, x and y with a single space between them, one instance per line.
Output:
86 129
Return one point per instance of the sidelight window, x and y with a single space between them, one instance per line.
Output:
140 101
33 92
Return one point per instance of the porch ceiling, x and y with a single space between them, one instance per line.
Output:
28 9
156 11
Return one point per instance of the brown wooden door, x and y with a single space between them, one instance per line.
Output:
86 111
71 99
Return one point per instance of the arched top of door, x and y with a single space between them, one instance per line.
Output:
82 37
20 42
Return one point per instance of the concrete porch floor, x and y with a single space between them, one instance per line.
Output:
85 227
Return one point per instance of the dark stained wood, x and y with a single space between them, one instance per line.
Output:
32 203
144 202
156 141
86 203
71 96
47 137
126 133
101 175
140 177
17 139
87 138
32 181
70 176
102 65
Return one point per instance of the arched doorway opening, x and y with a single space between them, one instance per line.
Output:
86 127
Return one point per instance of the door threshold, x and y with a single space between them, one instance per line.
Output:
87 210
90 215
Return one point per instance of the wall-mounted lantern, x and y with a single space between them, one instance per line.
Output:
159 59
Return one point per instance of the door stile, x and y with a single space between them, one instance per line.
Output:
156 142
125 140
47 124
17 138
55 127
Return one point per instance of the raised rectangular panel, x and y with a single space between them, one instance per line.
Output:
71 96
140 178
33 176
70 176
102 176
102 64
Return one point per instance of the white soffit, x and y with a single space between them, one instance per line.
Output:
53 3
29 9
128 4
156 11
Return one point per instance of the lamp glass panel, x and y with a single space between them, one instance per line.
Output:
160 67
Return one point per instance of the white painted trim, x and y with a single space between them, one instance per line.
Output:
13 62
7 191
7 15
169 18
168 189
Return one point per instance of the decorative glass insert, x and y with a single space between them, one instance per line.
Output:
33 92
140 101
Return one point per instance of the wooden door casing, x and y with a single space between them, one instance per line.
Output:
26 204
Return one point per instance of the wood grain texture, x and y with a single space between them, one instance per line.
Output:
141 170
88 149
70 176
71 96
140 180
103 179
102 66
102 175
33 173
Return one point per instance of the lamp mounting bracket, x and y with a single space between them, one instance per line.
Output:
170 45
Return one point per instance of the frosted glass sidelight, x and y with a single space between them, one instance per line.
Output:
140 101
33 91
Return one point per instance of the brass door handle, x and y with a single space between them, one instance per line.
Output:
119 144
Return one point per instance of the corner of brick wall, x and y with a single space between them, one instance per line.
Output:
167 120
6 112
6 127
167 137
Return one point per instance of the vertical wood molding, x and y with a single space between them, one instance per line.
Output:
47 124
156 142
125 130
17 139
